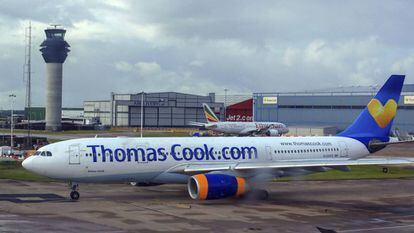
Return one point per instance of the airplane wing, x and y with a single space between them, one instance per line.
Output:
250 131
255 131
246 166
263 130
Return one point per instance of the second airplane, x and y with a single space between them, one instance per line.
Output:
240 128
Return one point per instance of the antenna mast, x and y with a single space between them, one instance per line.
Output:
28 74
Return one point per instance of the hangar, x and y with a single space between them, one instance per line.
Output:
242 111
160 109
330 107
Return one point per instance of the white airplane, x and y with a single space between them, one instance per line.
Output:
219 167
240 128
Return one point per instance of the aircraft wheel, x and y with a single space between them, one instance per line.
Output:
263 195
258 194
74 195
385 170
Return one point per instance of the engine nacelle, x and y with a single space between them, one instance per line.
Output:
273 132
215 186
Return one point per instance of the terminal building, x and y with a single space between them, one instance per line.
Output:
163 109
337 107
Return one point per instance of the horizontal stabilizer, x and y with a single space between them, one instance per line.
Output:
194 123
390 143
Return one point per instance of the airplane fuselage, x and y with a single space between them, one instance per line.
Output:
246 128
153 160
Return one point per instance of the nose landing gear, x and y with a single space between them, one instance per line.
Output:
74 194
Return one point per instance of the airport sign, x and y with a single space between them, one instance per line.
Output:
409 99
269 100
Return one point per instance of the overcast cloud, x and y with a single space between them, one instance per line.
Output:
206 46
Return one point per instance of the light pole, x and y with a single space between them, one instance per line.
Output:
11 96
225 103
142 111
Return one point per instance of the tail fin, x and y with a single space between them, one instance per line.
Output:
210 116
374 123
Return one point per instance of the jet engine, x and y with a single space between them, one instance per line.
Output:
273 132
215 186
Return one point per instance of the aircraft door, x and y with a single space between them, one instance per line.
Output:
343 150
74 154
269 153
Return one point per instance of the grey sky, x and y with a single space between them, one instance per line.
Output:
206 46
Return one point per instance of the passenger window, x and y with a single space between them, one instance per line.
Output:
48 153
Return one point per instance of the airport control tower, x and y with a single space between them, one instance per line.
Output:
54 50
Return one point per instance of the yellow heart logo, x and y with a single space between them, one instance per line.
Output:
382 114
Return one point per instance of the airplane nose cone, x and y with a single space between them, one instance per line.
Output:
28 163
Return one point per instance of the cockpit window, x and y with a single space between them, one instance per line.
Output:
43 153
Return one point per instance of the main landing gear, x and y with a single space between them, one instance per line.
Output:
74 194
258 194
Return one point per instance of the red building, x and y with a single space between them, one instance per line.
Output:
242 111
